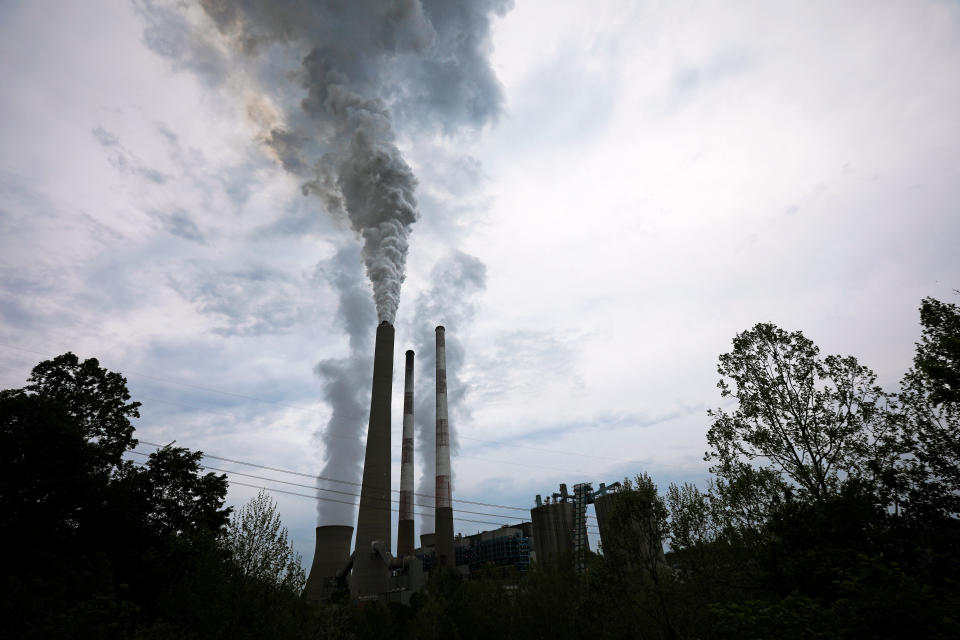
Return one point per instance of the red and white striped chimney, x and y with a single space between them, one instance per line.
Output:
405 525
444 513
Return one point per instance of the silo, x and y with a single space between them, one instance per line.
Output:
642 542
553 532
331 554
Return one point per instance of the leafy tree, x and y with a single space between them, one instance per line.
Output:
98 539
810 420
259 546
938 353
930 396
97 400
178 499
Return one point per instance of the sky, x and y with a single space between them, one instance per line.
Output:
593 200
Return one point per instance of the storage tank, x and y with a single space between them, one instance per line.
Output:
553 532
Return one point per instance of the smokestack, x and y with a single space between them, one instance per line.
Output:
370 575
331 555
405 526
443 525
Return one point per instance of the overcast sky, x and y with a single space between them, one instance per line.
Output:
646 180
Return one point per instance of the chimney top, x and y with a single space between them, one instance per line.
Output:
385 323
409 352
439 329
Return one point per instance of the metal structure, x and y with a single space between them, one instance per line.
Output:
443 525
581 545
405 526
370 575
330 558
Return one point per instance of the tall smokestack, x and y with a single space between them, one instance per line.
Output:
443 525
405 526
370 575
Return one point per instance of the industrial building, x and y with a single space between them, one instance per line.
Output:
507 548
555 534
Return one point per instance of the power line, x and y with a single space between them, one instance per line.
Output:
346 493
312 477
355 484
304 495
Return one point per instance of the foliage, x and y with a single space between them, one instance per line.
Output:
938 352
258 544
930 398
832 514
811 419
94 398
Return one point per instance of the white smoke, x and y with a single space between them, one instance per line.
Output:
346 388
456 279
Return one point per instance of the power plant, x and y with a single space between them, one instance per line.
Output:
556 533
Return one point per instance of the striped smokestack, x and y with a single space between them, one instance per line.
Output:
405 526
371 576
443 525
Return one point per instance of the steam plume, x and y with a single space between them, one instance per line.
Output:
364 62
346 386
456 279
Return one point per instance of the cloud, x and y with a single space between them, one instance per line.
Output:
254 300
180 224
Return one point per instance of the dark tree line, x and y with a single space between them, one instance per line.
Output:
100 547
832 512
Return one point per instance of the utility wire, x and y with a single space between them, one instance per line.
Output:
304 495
355 484
347 482
346 493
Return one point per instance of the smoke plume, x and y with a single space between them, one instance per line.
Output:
328 85
456 279
364 63
346 388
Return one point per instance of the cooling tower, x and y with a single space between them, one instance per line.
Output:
370 574
331 554
405 525
443 525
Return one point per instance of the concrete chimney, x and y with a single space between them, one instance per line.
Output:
405 525
371 577
331 554
443 525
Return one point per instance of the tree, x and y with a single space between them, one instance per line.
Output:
258 544
97 400
98 540
812 421
930 397
938 352
179 500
